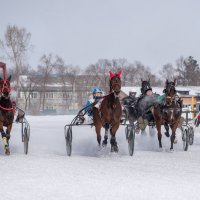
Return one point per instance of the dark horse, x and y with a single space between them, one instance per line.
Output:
169 112
6 109
110 112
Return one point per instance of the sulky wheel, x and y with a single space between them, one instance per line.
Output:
191 136
131 139
126 132
68 139
26 140
185 138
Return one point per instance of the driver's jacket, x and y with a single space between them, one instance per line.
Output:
143 111
89 107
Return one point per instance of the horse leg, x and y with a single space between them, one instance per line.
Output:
113 142
98 132
5 141
8 130
97 124
158 126
173 136
106 135
167 129
172 140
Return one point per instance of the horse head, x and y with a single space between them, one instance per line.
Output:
170 91
5 87
115 82
145 86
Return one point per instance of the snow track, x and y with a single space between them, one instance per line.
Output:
47 172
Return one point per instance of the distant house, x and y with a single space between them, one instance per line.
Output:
56 97
57 100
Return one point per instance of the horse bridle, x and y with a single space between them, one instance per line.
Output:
113 86
167 92
5 87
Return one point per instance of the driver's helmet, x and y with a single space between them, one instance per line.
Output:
95 91
145 89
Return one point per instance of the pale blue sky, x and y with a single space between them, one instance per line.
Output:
154 32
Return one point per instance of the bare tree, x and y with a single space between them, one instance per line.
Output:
141 72
181 70
131 73
188 71
168 72
100 73
16 46
68 76
27 86
122 64
48 63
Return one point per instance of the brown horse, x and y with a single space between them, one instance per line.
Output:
169 112
7 110
110 112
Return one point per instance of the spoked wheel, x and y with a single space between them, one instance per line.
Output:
185 138
26 139
68 139
191 136
130 133
126 132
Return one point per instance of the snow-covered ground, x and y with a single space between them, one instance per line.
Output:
47 173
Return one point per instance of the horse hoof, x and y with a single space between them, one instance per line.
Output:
7 151
160 149
167 134
171 150
143 132
99 147
114 149
175 141
104 144
137 131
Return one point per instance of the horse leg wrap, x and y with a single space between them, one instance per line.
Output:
172 141
173 138
7 135
159 140
105 140
106 126
113 140
114 147
5 141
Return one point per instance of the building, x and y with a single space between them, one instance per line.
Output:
55 97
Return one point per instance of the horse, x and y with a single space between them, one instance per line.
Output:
109 115
7 109
168 113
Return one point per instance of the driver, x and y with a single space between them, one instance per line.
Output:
97 94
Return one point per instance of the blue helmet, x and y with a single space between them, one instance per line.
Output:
97 90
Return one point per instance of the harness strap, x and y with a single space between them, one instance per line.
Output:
6 108
13 108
